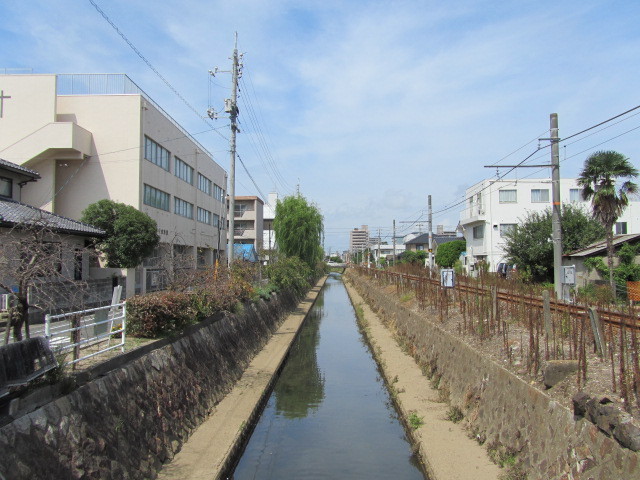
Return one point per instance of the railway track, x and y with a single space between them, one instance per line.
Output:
616 319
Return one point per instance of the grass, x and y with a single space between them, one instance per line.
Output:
406 297
415 421
454 414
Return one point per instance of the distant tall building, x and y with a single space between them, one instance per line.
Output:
359 238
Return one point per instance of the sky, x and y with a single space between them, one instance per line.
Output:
365 107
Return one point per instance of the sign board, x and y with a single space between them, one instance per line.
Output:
447 278
569 275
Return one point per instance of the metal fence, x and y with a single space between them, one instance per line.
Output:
86 333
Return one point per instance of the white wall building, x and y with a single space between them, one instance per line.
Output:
269 213
94 137
495 206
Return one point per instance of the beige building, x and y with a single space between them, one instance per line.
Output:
249 223
93 137
359 238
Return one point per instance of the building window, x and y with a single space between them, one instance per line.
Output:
156 153
478 232
539 195
183 171
156 198
204 216
216 221
6 187
182 208
621 228
575 195
218 193
507 196
204 184
505 228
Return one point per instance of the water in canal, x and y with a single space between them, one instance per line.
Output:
330 415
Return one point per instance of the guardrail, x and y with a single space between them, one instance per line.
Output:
86 333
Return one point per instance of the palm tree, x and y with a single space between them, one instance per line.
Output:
602 172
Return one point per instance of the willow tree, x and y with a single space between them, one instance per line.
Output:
299 226
605 180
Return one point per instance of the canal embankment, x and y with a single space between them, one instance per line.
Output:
444 448
507 415
208 453
125 419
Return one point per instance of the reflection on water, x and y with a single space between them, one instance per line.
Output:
300 387
329 415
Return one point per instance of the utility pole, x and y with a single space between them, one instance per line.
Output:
379 240
430 235
232 108
556 220
394 243
556 206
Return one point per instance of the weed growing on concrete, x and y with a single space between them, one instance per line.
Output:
406 297
501 455
415 421
514 473
454 414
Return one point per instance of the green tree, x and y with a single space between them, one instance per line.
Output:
529 244
448 253
299 226
605 180
131 234
416 257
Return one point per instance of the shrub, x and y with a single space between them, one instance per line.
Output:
289 273
161 313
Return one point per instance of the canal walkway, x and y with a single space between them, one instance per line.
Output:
445 447
207 453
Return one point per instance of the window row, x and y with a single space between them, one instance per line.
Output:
161 200
159 155
538 195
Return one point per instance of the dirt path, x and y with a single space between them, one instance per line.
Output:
213 445
446 450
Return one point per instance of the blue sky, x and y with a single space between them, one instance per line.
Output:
369 106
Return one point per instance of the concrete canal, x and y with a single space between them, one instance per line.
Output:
330 414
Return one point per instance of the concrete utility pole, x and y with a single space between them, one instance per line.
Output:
379 241
556 205
394 243
430 216
232 108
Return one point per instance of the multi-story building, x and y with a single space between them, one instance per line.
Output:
495 206
248 221
269 214
94 137
359 238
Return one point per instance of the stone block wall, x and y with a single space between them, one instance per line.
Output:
501 408
126 422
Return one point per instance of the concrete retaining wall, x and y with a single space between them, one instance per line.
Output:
132 415
501 408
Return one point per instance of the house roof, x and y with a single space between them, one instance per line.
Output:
14 213
437 239
600 246
12 167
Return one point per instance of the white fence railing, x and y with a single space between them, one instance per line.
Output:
86 333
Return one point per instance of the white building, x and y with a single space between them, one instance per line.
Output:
384 250
495 206
359 239
269 213
94 137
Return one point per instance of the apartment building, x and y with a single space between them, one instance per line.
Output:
248 219
100 136
359 238
494 207
269 214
